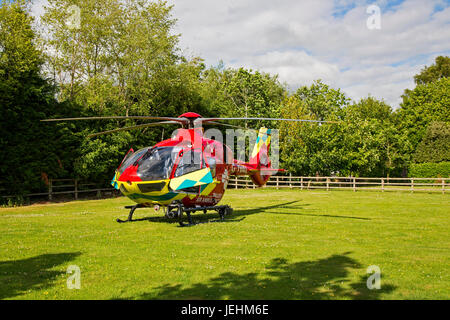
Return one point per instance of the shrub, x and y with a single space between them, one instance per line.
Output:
429 170
435 146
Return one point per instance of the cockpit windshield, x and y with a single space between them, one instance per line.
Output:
157 163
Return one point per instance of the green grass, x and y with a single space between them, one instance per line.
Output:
286 244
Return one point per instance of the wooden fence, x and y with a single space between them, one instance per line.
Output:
64 186
74 187
348 183
71 187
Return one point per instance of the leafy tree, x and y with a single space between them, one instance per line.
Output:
321 101
120 59
435 145
376 146
113 52
369 108
308 148
252 94
30 151
440 69
364 142
212 91
425 104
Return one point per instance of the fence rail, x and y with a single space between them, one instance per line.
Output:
73 186
70 186
348 183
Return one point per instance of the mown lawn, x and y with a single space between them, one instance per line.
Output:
286 244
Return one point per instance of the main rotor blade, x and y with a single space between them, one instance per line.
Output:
119 117
266 119
221 124
154 124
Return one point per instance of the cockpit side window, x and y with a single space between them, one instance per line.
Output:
190 161
212 165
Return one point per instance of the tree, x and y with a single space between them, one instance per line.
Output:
364 142
115 57
375 146
435 145
309 148
439 70
321 101
30 152
252 94
118 58
425 104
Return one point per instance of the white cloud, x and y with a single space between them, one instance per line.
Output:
302 41
296 68
327 39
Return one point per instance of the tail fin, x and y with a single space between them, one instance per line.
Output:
260 166
260 153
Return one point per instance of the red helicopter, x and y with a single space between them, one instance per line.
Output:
188 172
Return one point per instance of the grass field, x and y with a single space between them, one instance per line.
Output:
277 245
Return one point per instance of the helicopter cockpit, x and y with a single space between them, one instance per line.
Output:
157 163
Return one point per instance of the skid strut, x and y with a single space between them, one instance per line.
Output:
130 215
180 209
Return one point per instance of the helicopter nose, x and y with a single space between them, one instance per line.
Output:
129 175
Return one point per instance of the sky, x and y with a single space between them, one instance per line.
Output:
345 43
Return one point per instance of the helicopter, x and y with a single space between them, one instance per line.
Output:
188 172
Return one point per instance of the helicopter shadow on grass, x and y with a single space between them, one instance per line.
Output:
321 279
286 206
35 273
240 214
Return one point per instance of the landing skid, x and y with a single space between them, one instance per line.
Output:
221 210
177 210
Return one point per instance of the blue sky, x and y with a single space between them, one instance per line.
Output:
302 41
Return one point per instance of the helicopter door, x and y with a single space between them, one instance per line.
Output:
191 172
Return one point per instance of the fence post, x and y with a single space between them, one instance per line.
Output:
328 183
443 185
50 187
382 184
277 182
301 183
412 185
290 180
235 182
354 184
76 189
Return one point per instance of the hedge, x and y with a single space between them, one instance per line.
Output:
429 170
